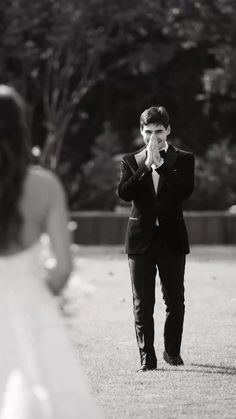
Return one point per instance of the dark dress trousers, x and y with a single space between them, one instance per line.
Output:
150 247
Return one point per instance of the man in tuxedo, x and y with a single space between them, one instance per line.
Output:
157 179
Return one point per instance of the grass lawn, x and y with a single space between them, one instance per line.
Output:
98 312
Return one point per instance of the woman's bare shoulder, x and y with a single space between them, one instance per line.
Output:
44 178
44 184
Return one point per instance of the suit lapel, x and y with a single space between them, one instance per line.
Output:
170 159
171 156
140 156
137 159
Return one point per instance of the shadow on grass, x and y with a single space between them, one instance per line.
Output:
202 368
215 369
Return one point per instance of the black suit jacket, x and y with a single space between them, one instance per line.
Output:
176 183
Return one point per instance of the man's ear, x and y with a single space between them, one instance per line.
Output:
141 129
168 130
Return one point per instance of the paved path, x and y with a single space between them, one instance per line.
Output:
98 310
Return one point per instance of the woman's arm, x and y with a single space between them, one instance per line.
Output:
57 229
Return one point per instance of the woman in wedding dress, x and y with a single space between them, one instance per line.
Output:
32 199
32 202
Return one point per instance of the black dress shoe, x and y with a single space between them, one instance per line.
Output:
173 360
145 368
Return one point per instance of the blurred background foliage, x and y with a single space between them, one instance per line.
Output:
88 68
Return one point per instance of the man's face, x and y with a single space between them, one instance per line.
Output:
157 132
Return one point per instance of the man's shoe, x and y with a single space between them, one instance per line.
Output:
145 368
173 360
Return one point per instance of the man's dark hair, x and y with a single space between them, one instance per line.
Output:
155 115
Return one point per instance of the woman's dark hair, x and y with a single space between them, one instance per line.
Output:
155 115
14 161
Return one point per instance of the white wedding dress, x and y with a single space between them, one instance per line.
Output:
40 378
24 311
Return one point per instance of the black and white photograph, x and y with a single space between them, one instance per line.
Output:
118 209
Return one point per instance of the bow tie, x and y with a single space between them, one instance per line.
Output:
162 153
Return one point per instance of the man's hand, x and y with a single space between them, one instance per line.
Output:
157 160
153 154
149 159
